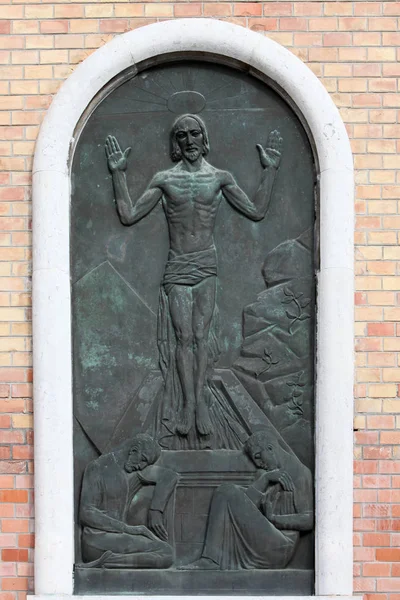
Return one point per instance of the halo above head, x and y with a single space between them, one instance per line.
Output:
186 102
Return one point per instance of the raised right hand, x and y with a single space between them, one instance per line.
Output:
116 159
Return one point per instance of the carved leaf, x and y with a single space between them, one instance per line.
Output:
305 302
304 317
297 393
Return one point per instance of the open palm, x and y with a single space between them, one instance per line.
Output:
116 159
271 155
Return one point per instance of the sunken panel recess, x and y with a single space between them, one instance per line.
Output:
192 244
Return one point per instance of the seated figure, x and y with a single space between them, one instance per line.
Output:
124 524
258 527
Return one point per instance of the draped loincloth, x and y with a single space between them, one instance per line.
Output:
189 269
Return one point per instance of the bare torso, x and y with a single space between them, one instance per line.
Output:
190 201
191 193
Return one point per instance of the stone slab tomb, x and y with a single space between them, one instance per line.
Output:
193 312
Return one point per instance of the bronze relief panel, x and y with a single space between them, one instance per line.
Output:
192 244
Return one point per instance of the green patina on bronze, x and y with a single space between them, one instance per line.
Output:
193 330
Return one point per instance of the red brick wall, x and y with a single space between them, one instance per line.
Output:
352 46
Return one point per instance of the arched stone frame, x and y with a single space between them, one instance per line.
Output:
54 556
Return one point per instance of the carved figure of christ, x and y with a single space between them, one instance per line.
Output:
191 193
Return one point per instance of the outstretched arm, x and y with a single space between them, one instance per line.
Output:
128 211
270 158
165 481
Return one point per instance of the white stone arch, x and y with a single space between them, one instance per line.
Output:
51 290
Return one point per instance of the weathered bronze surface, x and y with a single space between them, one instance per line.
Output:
193 330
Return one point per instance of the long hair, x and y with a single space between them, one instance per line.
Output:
176 153
148 446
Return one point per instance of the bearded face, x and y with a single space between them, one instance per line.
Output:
137 460
190 139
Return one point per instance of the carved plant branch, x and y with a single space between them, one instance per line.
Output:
295 398
269 362
299 303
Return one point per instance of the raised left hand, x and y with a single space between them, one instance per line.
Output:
271 155
156 525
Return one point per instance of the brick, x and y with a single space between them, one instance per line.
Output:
247 9
12 466
364 585
391 70
68 41
338 8
7 510
371 100
292 24
366 466
265 24
382 391
15 525
367 8
376 539
11 437
69 11
352 24
352 85
39 11
53 56
381 54
23 27
367 70
54 26
162 10
307 9
376 570
137 10
19 583
278 9
323 24
26 541
13 496
382 359
364 525
380 329
22 452
14 555
391 584
336 70
22 421
382 24
114 26
364 554
367 39
96 11
382 237
7 539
